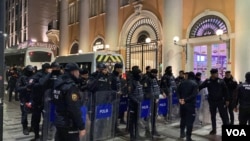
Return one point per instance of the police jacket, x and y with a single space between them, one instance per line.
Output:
135 92
151 88
168 84
24 91
231 85
243 95
115 81
187 90
38 89
68 102
217 89
99 82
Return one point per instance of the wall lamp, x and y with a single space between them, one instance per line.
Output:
184 46
219 33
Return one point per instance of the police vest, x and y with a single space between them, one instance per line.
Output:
138 91
155 88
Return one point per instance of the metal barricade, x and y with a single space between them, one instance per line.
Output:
103 115
173 106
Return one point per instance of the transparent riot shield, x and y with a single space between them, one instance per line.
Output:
198 107
86 114
173 107
205 116
48 128
145 110
104 114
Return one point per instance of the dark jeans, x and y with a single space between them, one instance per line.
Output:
244 116
11 90
63 134
187 113
230 109
213 105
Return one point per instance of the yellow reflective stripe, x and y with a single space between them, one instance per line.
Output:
113 58
100 59
105 58
118 58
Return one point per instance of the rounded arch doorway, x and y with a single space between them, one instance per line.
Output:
208 51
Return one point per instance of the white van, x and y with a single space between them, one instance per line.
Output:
91 59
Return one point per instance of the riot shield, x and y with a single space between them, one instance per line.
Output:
103 113
198 107
173 106
48 128
86 113
163 107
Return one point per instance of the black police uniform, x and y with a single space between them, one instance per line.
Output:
187 90
12 84
67 100
38 91
217 96
135 95
243 99
116 86
151 92
25 96
231 85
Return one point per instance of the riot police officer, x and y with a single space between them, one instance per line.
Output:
135 94
116 86
243 99
67 100
38 92
151 92
187 91
218 97
231 85
168 86
25 96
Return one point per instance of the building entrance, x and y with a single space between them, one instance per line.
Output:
210 56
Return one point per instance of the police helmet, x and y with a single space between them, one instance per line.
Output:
55 65
101 66
29 68
247 76
84 71
71 67
45 66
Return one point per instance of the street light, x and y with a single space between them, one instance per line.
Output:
219 33
176 40
148 40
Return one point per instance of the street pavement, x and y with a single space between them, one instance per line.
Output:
12 129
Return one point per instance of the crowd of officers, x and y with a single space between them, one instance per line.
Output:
68 86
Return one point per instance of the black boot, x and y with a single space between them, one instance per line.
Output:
182 134
25 130
213 132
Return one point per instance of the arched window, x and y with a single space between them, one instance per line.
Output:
74 49
207 26
142 37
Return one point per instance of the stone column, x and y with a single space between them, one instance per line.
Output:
189 64
172 26
209 60
111 24
84 25
242 44
64 29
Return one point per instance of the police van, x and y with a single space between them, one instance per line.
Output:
91 59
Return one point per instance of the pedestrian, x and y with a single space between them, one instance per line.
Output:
218 98
231 85
68 121
243 100
187 92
